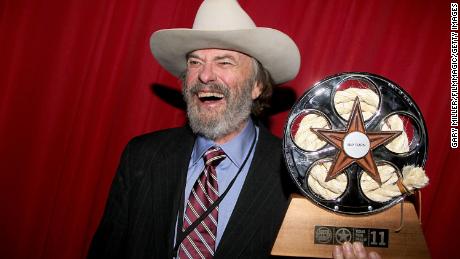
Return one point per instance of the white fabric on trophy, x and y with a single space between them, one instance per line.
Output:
414 177
327 190
401 143
383 193
305 138
343 102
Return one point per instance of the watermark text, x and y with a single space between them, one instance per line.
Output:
454 75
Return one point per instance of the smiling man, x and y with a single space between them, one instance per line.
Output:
219 89
215 188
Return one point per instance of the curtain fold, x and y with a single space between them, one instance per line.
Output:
77 81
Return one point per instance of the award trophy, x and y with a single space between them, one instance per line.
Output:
355 145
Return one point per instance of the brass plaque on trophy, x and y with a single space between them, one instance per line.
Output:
355 145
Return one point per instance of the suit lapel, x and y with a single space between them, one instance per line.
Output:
254 197
175 160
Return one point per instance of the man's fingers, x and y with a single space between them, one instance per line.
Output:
360 251
337 253
348 251
353 251
374 255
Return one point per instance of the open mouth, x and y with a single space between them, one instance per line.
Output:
210 96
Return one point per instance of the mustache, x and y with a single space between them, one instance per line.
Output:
214 87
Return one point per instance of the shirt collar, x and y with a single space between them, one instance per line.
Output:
236 149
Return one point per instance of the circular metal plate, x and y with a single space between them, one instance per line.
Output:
319 101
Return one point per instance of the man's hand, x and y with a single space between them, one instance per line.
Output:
353 251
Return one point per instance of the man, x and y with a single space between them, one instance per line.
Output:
217 188
227 66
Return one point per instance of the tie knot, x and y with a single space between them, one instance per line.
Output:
213 156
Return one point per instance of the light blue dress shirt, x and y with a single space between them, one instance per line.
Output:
236 150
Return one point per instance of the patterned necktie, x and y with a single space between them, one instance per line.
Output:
200 243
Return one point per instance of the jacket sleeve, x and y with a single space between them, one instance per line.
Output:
109 237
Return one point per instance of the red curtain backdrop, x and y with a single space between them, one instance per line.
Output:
77 81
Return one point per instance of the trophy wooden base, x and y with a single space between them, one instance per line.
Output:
297 234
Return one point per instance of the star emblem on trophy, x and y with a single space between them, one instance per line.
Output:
355 145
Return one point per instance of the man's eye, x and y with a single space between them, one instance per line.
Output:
225 63
193 62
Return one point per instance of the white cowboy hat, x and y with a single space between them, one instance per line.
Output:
223 24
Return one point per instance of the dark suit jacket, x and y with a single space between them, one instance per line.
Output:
141 211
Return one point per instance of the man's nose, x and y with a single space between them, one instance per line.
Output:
207 73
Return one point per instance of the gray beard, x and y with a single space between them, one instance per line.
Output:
215 126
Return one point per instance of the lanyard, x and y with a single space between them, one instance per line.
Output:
181 235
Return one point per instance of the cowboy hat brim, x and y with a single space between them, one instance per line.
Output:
273 49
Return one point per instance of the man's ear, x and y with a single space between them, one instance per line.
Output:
256 90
